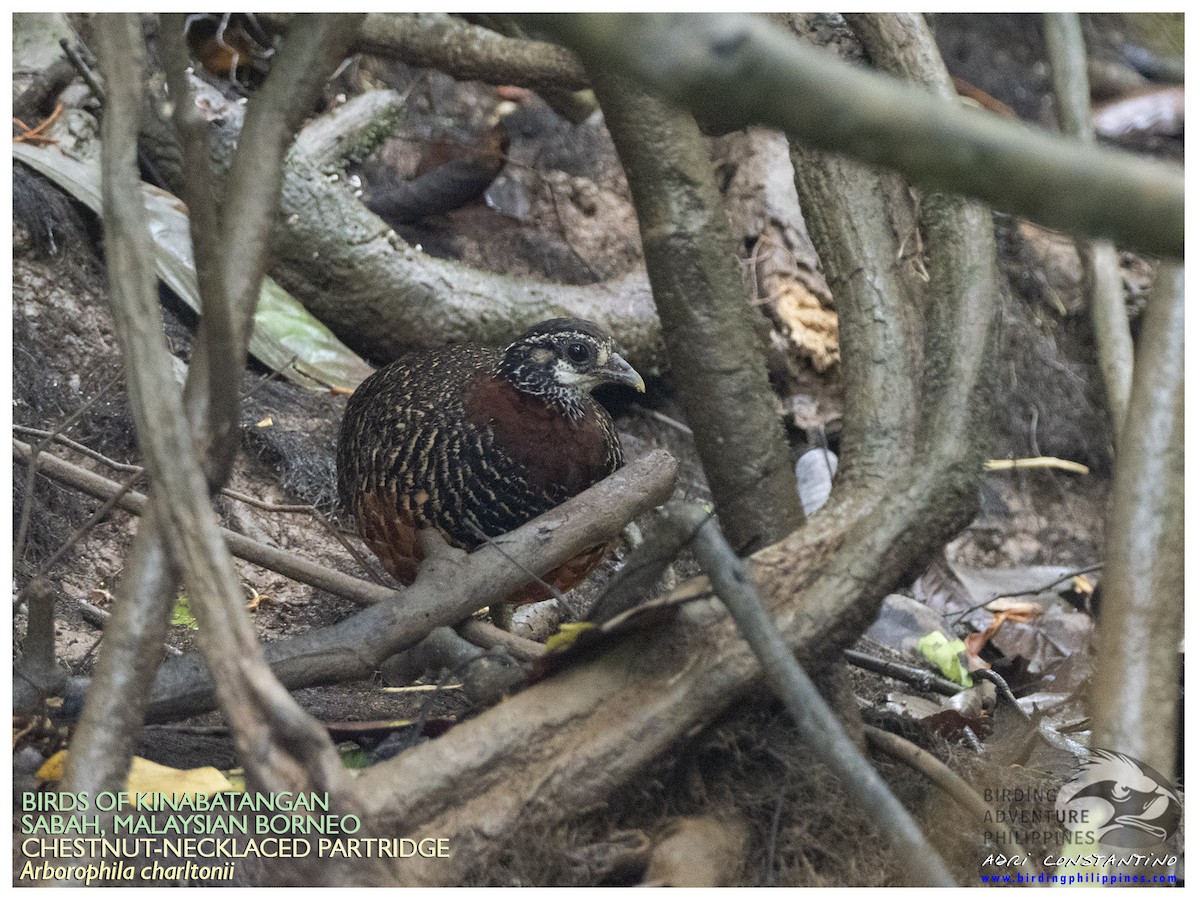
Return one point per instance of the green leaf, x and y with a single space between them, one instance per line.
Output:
947 655
355 757
181 613
568 633
286 337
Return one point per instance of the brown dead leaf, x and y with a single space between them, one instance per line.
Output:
1003 609
813 329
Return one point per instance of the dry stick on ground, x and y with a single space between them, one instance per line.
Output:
1068 70
353 649
819 728
485 634
31 474
734 70
708 324
383 297
948 780
919 678
281 561
1135 691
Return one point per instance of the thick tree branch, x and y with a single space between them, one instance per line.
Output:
102 745
281 747
734 70
382 297
856 218
715 355
1135 691
961 246
818 726
354 648
180 496
470 53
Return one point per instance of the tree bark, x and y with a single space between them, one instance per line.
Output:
716 358
733 70
383 297
1135 691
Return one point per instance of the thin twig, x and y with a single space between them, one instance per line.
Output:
666 420
1086 570
491 542
948 780
276 560
36 134
240 497
1002 689
818 726
1036 462
78 448
81 532
920 678
85 71
31 473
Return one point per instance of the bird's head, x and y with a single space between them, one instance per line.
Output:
562 360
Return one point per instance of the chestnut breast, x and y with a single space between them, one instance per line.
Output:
560 456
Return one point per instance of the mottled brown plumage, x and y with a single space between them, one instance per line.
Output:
475 441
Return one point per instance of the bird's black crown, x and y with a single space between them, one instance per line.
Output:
562 360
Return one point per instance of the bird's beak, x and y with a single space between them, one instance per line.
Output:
622 373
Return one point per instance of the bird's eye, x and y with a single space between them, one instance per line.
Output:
578 352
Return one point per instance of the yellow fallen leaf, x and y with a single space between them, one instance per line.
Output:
53 768
568 633
146 777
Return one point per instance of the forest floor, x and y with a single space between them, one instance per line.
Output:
561 210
